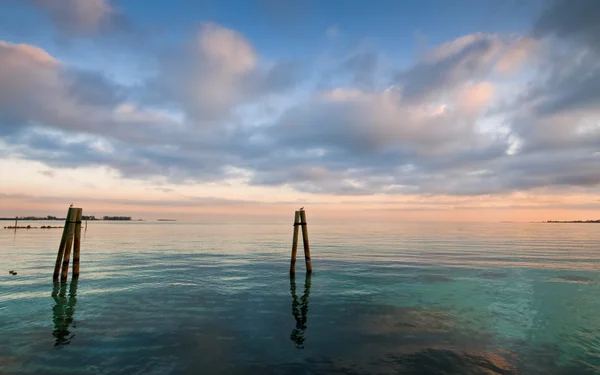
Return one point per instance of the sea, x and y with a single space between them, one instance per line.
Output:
383 298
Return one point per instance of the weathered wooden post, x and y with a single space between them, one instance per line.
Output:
305 241
295 243
71 237
68 246
76 244
63 242
300 221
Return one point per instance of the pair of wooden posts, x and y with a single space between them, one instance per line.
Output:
71 237
300 221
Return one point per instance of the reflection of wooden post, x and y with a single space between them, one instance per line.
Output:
16 222
305 241
295 243
76 244
63 242
300 311
63 312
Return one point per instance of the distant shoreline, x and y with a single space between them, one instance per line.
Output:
33 219
573 222
54 218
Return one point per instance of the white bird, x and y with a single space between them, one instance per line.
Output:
302 208
71 206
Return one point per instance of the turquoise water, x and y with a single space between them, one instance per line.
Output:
178 298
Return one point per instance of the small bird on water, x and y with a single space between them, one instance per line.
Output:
12 272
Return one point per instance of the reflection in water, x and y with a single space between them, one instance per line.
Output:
63 311
300 311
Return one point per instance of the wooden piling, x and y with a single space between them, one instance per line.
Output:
305 241
63 242
295 243
68 245
76 244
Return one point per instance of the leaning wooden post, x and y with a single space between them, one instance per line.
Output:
68 245
63 242
305 241
295 243
76 244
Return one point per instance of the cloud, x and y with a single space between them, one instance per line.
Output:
362 67
571 82
449 124
48 173
67 117
36 88
80 16
217 70
364 122
570 19
347 141
466 59
559 108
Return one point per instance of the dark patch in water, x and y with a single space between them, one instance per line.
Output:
443 361
493 275
574 278
434 279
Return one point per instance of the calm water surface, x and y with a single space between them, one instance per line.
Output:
190 298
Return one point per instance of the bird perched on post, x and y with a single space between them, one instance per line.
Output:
71 206
302 208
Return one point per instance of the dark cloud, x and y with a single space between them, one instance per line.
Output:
467 58
559 110
576 19
91 88
47 173
77 17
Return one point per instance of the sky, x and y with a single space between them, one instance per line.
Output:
466 110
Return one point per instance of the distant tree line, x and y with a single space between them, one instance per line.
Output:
574 221
49 217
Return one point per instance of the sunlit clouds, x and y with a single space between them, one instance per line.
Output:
488 125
